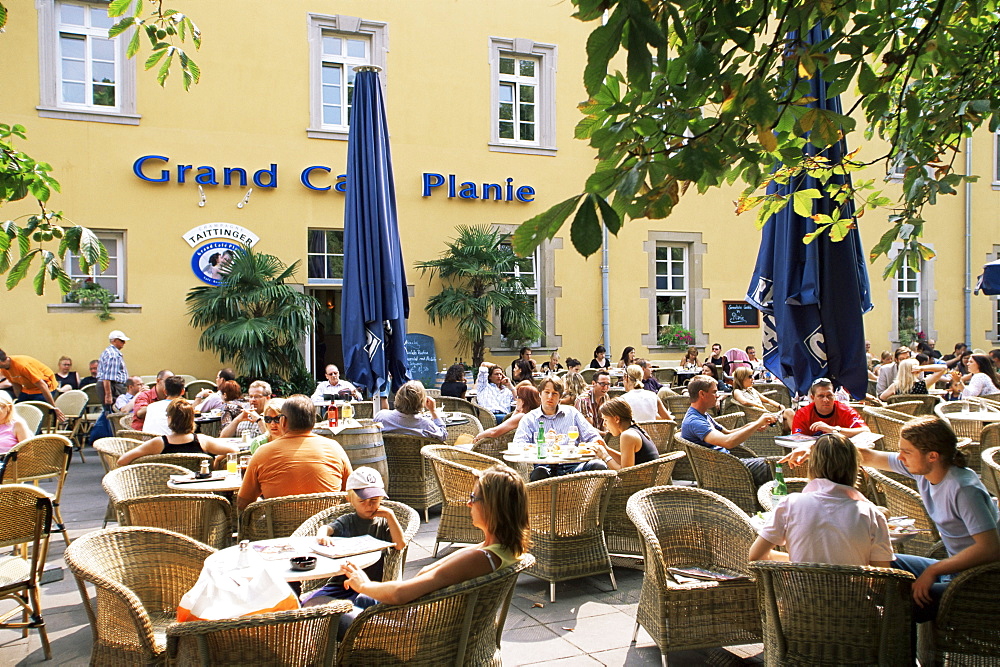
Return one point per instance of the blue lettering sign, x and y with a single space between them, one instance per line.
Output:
432 181
307 173
469 190
141 162
272 174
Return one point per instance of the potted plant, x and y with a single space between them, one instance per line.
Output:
89 294
675 335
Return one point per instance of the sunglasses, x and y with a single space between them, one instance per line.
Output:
603 384
268 419
473 498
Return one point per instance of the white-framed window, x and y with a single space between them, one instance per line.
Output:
522 74
672 285
907 302
338 44
325 257
912 296
674 289
537 273
996 158
84 75
113 278
525 270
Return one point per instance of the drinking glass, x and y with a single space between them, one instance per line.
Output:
232 464
573 434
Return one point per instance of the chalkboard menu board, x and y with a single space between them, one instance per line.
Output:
740 314
422 358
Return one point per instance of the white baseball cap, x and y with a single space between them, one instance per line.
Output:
118 335
366 482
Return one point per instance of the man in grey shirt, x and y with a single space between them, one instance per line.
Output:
955 499
887 373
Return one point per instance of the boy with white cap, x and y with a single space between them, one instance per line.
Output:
365 491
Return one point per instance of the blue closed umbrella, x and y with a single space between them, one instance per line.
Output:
813 296
375 304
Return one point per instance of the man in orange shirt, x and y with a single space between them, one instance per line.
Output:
30 379
297 462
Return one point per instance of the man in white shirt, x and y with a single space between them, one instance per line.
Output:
132 388
334 385
156 413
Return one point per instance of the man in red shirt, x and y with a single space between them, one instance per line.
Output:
157 392
826 414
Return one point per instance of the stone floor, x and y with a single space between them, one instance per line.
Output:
589 624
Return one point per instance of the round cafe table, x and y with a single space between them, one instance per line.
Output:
220 482
289 547
529 457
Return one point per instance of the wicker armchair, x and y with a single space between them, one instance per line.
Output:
142 436
297 637
914 404
395 561
472 427
762 442
661 432
495 447
722 473
904 501
678 406
191 389
140 575
27 520
964 632
457 625
968 428
775 391
818 614
793 484
73 404
452 404
140 480
619 532
190 462
205 517
279 517
111 449
665 375
456 471
990 459
567 516
411 476
683 526
731 420
887 422
44 457
32 415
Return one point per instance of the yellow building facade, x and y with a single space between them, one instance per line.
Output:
480 93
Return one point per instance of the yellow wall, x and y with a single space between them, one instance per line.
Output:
252 109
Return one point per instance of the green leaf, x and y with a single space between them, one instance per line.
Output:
118 7
121 26
802 201
602 44
3 16
161 76
543 226
20 269
155 57
610 217
133 45
586 231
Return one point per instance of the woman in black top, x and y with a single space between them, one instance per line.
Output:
454 382
600 359
65 378
182 439
636 445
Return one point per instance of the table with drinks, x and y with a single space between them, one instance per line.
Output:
551 449
208 481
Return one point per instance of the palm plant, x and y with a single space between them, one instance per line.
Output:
477 270
254 319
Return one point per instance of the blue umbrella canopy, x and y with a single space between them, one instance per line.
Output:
813 296
375 304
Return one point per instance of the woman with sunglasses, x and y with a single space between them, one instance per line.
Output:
273 428
499 508
182 438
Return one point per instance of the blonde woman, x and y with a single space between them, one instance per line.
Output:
575 386
499 507
636 445
272 424
646 406
910 378
744 393
13 429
